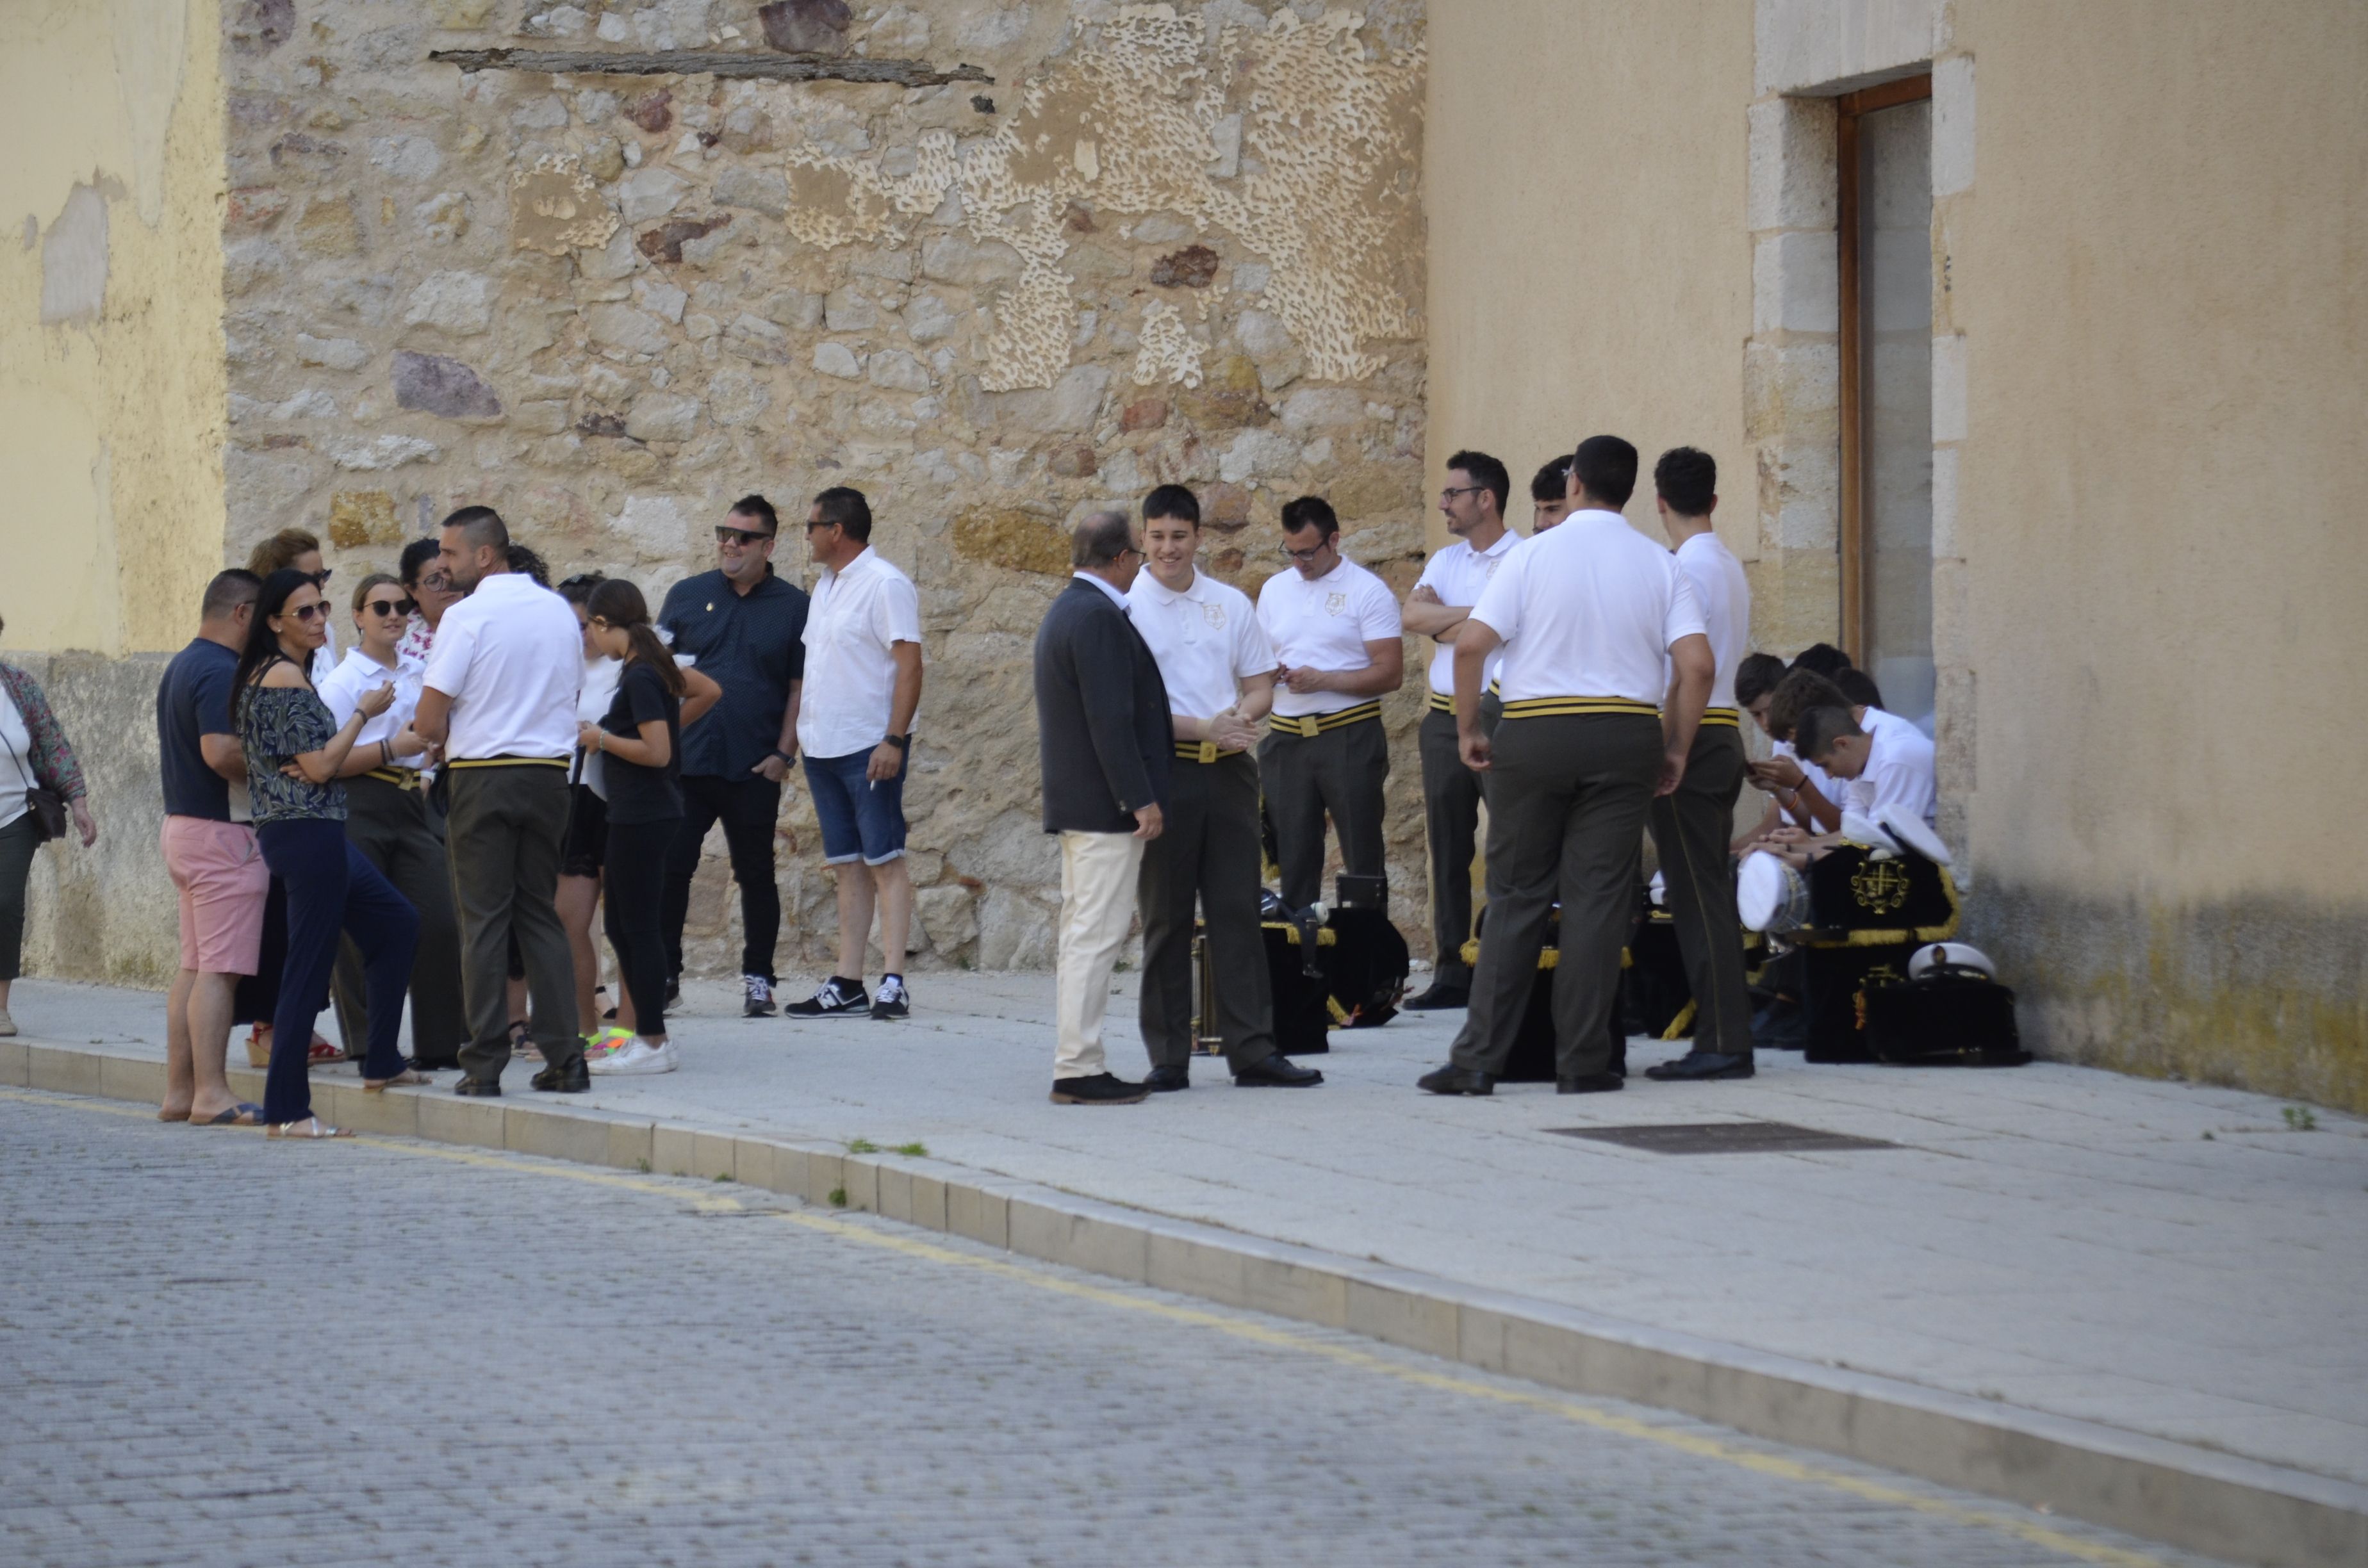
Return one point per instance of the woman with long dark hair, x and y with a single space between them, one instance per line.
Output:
295 749
639 744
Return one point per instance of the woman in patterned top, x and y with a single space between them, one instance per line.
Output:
294 752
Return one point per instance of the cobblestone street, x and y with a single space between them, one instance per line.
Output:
217 1349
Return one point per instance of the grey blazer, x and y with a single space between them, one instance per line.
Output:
1102 729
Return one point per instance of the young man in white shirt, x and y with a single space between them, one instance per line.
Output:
1593 617
498 698
855 729
1219 670
1550 495
1886 756
1692 824
1338 641
1473 504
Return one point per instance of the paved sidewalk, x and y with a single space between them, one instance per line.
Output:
2166 1258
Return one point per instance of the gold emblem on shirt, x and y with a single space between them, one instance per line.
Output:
1335 603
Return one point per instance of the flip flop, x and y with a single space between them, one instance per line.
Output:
172 1116
244 1114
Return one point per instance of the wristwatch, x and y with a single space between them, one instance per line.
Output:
902 743
785 756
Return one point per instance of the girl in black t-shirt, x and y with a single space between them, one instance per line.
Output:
640 745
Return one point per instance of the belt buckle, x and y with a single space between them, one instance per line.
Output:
1208 752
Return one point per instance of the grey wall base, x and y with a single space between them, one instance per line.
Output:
2188 1497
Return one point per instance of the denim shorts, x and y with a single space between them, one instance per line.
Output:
861 819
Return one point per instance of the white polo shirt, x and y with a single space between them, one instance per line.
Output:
1456 574
1899 768
359 674
857 613
1723 596
1207 640
1836 791
1325 625
1588 608
509 656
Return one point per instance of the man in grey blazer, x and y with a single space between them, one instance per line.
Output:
1105 742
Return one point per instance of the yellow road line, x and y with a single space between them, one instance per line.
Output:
1689 1443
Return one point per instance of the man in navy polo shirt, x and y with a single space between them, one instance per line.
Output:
745 628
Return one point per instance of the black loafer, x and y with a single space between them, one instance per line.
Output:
1167 1080
1101 1088
1438 998
482 1088
576 1078
1698 1066
1454 1080
1277 1072
1591 1083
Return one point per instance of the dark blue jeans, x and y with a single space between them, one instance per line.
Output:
331 887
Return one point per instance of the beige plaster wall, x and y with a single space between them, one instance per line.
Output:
2160 271
1601 279
111 319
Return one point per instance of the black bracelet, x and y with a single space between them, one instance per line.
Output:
902 743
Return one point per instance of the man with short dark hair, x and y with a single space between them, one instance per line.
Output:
1338 637
1550 495
1591 616
855 725
1691 824
1105 744
745 628
1218 670
498 696
210 854
1886 761
1474 505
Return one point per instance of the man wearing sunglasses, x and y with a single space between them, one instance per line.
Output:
744 628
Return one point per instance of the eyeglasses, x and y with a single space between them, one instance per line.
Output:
391 607
1305 556
819 523
434 577
309 612
741 536
321 579
1453 491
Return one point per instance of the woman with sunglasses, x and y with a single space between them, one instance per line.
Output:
295 750
386 819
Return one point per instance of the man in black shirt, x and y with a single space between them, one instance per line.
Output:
745 628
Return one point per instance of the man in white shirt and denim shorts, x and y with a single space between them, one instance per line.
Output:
855 736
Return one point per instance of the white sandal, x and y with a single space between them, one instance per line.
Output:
319 1129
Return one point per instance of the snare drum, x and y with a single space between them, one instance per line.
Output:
1770 895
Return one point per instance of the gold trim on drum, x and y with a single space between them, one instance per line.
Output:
1325 938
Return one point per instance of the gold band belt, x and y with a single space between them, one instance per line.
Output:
1559 707
558 762
1307 726
1203 750
401 778
1447 704
1723 716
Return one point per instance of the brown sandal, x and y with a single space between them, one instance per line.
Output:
402 1080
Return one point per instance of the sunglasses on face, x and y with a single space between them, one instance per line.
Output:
309 612
391 607
321 579
741 536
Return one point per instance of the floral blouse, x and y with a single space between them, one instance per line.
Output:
275 725
52 761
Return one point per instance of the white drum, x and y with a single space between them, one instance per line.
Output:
1951 955
1770 895
1910 832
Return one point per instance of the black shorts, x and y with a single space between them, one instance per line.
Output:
586 843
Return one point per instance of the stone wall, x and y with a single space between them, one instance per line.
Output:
1135 244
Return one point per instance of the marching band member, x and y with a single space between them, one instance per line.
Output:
1473 504
1337 633
1219 670
1593 617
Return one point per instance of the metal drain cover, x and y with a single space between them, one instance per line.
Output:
1722 1138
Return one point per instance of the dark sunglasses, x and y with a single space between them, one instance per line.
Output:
391 607
309 612
738 536
321 579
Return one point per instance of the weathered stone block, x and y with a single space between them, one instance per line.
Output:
663 416
336 353
833 358
765 190
1228 397
737 397
756 340
1371 489
359 519
458 304
1020 540
328 229
1194 267
436 383
664 242
1071 404
622 326
898 372
949 259
806 27
651 192
844 310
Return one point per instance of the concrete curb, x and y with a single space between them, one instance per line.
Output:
2190 1497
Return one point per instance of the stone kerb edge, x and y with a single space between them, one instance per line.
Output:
2196 1499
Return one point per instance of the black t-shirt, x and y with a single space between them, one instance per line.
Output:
192 700
638 794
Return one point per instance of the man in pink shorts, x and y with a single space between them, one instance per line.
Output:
212 856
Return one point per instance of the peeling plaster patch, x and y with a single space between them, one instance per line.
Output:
74 260
556 208
1168 352
151 58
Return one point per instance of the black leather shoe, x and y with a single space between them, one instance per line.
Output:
1101 1088
1439 997
1699 1065
1591 1083
1277 1072
576 1078
1163 1080
1454 1080
482 1088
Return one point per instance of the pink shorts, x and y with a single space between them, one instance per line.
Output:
217 870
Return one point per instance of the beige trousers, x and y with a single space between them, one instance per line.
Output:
1098 877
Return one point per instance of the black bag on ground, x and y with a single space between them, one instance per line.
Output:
1947 1016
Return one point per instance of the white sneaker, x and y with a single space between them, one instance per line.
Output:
640 1057
7 1024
